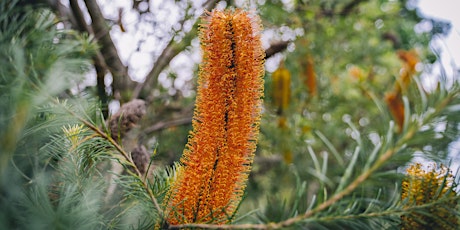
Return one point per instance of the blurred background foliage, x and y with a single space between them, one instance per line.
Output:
343 86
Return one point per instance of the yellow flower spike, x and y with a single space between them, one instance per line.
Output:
281 81
287 156
219 153
421 187
282 122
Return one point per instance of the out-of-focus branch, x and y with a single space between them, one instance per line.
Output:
98 59
276 48
121 81
166 124
350 6
172 49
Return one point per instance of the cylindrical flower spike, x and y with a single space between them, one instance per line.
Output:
410 60
219 153
396 105
281 79
422 187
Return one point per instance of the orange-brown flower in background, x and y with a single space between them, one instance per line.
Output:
422 187
357 73
394 98
410 60
219 153
310 76
396 105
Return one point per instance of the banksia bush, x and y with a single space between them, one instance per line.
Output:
219 153
328 162
421 187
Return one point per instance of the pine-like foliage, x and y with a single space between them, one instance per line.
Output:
60 169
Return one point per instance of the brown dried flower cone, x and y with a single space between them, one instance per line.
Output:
126 118
141 158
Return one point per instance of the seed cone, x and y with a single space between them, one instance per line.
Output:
219 153
126 118
141 158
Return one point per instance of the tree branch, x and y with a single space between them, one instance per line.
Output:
98 59
119 149
350 6
166 124
121 81
276 48
172 49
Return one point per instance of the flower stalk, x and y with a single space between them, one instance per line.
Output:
219 153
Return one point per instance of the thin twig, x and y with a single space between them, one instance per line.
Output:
276 48
166 124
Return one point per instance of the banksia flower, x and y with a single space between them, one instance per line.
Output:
281 83
394 98
396 105
422 187
219 153
410 60
357 73
126 118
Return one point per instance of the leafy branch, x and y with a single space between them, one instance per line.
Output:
125 155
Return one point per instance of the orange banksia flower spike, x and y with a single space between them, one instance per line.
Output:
396 105
394 99
410 60
310 76
219 153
